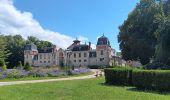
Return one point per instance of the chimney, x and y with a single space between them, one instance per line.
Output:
89 44
54 48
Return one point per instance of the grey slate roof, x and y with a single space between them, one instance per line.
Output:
103 41
30 47
83 47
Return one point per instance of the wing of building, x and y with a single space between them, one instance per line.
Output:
76 54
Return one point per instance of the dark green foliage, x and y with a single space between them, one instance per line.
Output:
2 62
156 65
19 64
61 64
94 67
166 7
163 47
27 66
2 65
118 76
136 37
39 43
15 45
3 48
97 67
151 79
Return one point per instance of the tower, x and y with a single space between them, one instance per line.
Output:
103 50
76 42
30 53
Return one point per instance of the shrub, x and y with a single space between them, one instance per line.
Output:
4 67
118 76
27 66
19 65
14 74
151 79
98 67
2 62
156 65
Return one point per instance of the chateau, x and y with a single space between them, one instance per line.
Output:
76 54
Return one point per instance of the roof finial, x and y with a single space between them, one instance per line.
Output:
103 34
76 38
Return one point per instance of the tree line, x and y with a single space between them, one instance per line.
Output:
12 48
145 35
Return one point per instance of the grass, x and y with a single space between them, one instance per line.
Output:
41 78
89 89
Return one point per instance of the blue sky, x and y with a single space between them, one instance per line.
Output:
87 18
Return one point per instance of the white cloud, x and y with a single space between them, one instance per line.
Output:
13 21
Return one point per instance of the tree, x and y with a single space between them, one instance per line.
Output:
27 66
163 35
166 6
137 34
3 50
15 45
39 43
2 64
19 65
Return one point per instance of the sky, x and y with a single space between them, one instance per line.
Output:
61 21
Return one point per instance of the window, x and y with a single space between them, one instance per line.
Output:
54 56
27 56
85 60
79 60
44 61
48 56
101 52
40 61
40 56
74 60
101 59
79 55
44 56
85 54
101 42
48 61
74 55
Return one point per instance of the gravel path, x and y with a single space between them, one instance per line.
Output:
48 80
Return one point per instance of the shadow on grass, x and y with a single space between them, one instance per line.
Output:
148 91
134 89
111 85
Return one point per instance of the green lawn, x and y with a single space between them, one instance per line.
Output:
90 89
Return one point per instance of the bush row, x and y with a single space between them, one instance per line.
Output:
143 79
20 73
151 79
118 76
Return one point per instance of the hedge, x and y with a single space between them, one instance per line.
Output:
118 76
151 79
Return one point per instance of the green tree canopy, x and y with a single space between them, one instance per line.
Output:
137 33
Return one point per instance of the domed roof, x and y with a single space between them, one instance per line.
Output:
103 41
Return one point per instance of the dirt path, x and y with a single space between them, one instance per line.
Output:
48 80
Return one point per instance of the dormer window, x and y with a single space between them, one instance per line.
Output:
101 42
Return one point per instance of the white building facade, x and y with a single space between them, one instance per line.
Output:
75 55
